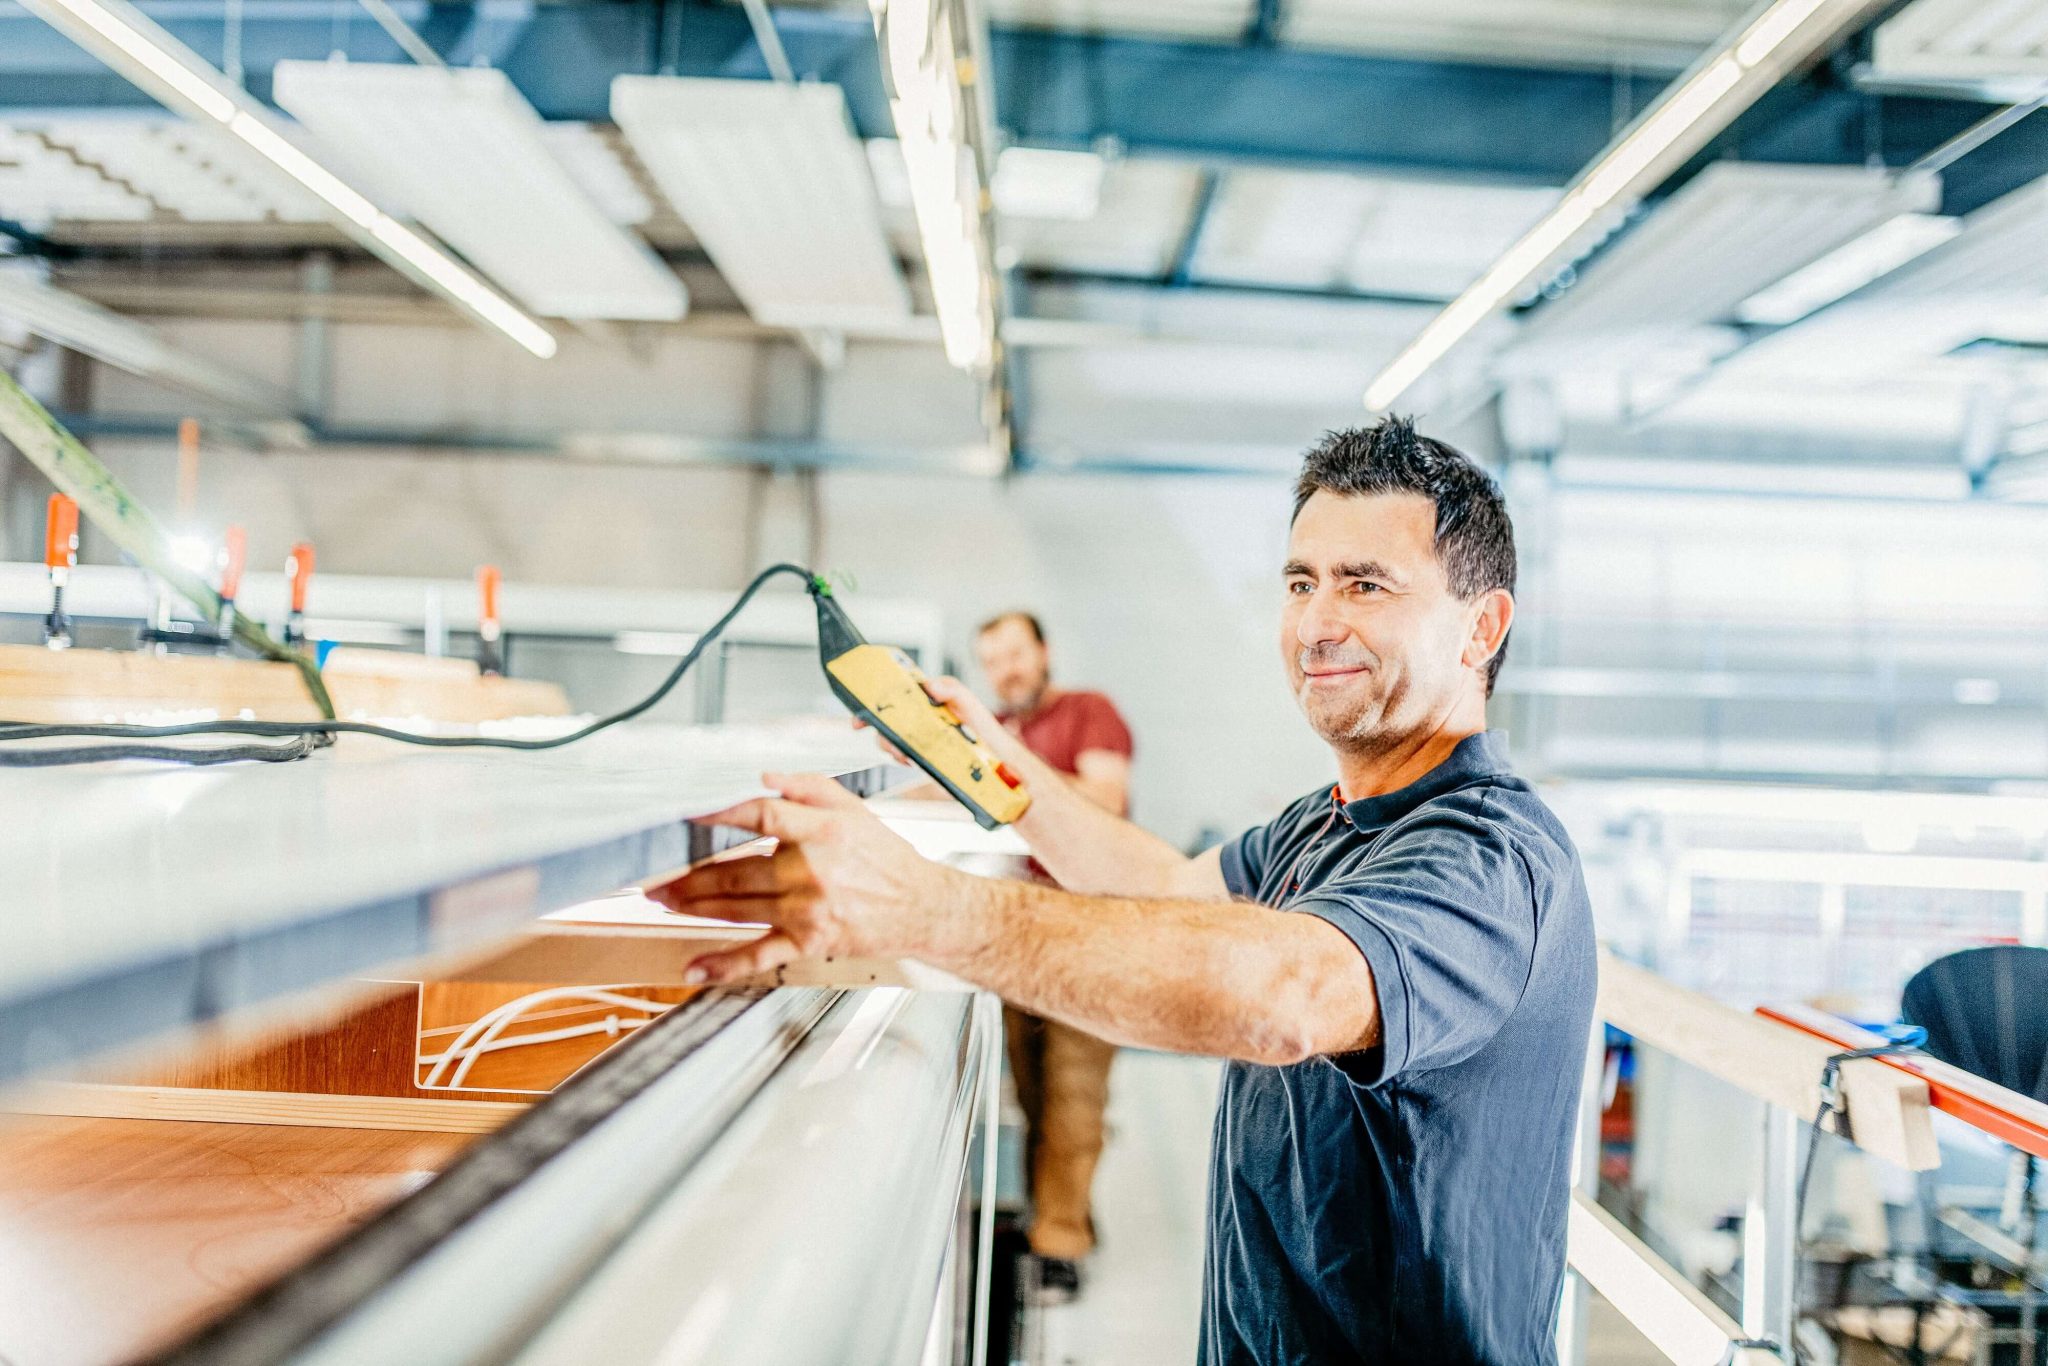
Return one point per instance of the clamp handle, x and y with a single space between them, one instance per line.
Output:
60 538
298 572
236 542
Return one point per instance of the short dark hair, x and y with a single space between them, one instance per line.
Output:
1475 539
1031 624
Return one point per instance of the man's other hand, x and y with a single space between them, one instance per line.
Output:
951 693
840 884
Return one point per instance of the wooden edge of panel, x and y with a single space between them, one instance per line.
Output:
96 1100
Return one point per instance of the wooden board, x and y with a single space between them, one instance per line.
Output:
1889 1109
207 1105
576 952
363 1066
116 1235
38 684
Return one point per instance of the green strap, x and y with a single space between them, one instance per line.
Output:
100 497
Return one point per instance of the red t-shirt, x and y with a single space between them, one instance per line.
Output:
1069 725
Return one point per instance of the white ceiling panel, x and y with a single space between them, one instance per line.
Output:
1733 229
1179 18
589 157
2000 255
1592 32
776 187
1140 213
1378 235
137 168
462 152
1994 48
1135 230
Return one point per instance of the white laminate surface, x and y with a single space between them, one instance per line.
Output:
113 864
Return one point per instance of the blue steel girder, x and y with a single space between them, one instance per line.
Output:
1218 103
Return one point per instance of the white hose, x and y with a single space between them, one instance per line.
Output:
514 1008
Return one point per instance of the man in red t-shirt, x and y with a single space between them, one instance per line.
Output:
1062 1074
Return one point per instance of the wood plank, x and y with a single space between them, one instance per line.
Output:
1889 1110
105 1100
118 1235
1684 1326
379 1047
592 954
37 684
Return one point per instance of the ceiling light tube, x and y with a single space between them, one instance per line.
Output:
1848 268
120 35
921 61
1682 121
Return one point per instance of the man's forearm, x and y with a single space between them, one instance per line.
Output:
1221 978
1089 849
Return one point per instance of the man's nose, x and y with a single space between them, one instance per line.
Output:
1320 623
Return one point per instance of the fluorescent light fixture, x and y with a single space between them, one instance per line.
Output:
1038 182
1682 121
922 59
139 49
463 152
126 344
1848 268
1734 229
775 185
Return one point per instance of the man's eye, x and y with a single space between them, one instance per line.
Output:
1365 587
1299 587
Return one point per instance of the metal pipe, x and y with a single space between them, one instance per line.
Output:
763 24
402 33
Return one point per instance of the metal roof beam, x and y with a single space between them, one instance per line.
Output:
1218 103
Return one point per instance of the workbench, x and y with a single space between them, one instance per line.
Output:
646 1204
141 898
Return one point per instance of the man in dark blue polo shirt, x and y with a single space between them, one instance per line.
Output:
1400 967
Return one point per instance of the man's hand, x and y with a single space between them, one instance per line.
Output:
974 714
839 884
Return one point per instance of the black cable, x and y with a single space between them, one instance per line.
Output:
324 731
296 748
1910 1040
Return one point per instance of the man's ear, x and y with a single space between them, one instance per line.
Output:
1494 613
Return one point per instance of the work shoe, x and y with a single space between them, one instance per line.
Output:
1057 1281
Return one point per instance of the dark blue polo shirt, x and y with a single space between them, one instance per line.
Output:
1407 1203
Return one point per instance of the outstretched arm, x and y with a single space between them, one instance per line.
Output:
1195 976
1086 847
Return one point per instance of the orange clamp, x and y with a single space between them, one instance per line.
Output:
231 573
60 544
298 571
487 582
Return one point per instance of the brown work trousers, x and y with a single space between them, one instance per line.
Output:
1063 1084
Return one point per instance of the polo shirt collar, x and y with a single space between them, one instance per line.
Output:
1484 755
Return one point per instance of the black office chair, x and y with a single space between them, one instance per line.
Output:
1986 1011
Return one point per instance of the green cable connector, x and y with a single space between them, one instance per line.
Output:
78 472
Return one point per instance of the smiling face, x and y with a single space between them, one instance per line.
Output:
1377 646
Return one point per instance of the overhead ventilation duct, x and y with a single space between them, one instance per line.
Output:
464 153
775 185
1991 49
1736 228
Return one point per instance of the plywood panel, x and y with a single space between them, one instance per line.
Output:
117 1234
91 685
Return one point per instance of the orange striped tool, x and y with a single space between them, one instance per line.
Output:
236 551
60 556
490 656
298 572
